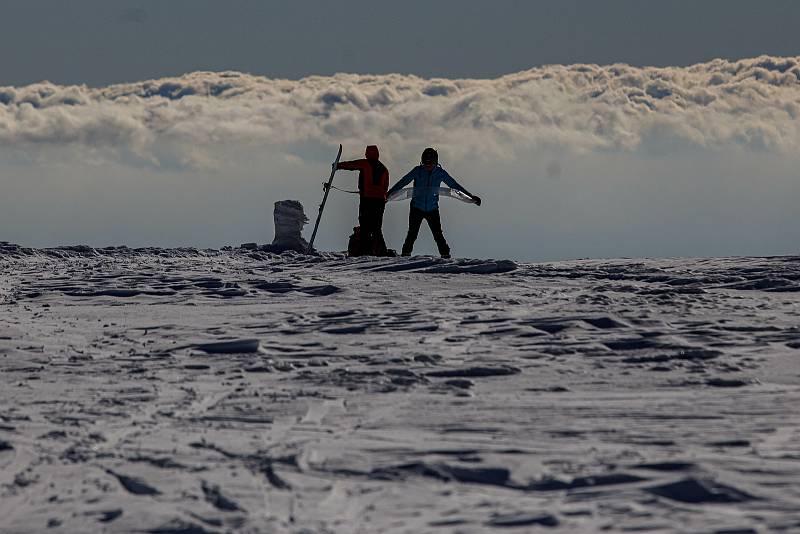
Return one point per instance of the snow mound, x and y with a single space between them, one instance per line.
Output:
289 221
442 266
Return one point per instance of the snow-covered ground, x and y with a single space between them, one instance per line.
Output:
236 390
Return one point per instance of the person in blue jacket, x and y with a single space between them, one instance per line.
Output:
427 177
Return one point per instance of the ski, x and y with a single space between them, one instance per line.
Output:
327 187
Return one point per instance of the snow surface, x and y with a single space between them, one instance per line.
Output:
184 390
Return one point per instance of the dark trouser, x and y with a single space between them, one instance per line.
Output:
370 218
415 218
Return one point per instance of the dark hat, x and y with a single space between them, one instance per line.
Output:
429 155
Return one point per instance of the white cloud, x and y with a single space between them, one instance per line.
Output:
754 103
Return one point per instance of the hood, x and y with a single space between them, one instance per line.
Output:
372 152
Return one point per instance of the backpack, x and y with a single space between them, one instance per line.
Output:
355 246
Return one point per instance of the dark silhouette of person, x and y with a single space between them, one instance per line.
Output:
428 177
373 181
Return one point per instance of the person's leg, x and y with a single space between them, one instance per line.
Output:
380 243
415 217
435 222
367 221
374 244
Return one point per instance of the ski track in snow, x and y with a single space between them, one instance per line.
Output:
180 390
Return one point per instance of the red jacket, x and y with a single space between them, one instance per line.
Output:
373 176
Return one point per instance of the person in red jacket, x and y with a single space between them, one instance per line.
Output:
373 182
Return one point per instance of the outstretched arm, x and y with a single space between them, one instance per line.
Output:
355 165
449 180
402 182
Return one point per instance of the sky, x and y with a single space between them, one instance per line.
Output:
99 42
590 129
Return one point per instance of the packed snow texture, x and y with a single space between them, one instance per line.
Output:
184 390
751 102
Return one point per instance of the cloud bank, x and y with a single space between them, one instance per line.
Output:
753 103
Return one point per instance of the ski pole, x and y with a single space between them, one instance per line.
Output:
324 199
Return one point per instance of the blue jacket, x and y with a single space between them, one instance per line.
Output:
426 185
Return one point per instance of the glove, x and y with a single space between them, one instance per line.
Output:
477 200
